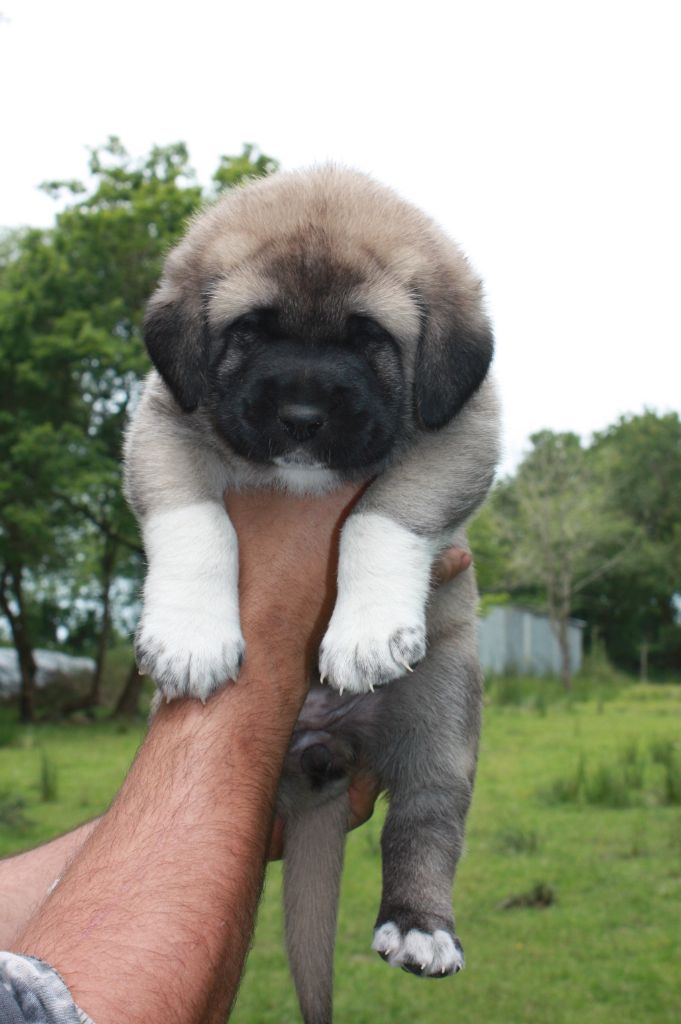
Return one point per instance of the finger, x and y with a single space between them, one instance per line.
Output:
451 562
363 792
276 850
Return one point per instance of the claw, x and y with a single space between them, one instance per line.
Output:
371 687
322 678
340 691
406 665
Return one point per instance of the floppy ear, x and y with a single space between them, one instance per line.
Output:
454 353
176 336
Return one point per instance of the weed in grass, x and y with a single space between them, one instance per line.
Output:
629 752
671 782
662 750
8 732
516 839
632 765
567 790
617 784
541 704
606 786
540 896
12 813
638 846
48 782
508 691
675 836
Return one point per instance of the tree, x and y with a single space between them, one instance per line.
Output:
635 606
39 410
558 529
71 359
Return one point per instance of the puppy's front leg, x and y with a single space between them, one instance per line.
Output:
189 636
410 513
378 628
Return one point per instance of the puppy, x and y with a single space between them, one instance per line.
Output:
312 328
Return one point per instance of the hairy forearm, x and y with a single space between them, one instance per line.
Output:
153 919
26 878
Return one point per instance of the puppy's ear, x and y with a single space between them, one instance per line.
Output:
176 336
453 356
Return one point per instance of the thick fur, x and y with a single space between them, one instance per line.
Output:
313 328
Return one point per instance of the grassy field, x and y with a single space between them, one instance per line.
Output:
581 798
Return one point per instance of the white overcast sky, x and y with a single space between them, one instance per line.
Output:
543 136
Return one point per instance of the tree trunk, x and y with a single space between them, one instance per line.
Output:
564 646
559 617
127 705
108 562
18 624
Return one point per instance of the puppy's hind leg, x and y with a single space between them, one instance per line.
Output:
422 839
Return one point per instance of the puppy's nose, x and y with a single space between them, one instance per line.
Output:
300 419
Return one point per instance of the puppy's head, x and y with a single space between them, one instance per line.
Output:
318 320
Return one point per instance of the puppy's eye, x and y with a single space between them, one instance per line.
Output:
365 328
261 320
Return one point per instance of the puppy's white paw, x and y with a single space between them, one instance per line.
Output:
189 639
378 627
367 647
432 955
188 652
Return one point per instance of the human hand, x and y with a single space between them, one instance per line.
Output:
288 555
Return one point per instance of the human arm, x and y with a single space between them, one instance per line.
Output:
154 915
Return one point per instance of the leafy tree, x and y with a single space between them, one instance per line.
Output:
635 607
71 359
557 529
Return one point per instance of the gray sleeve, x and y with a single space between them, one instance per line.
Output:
32 992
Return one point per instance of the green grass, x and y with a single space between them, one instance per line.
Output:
607 948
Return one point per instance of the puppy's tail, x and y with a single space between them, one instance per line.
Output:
314 842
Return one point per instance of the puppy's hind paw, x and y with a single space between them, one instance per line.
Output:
427 954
